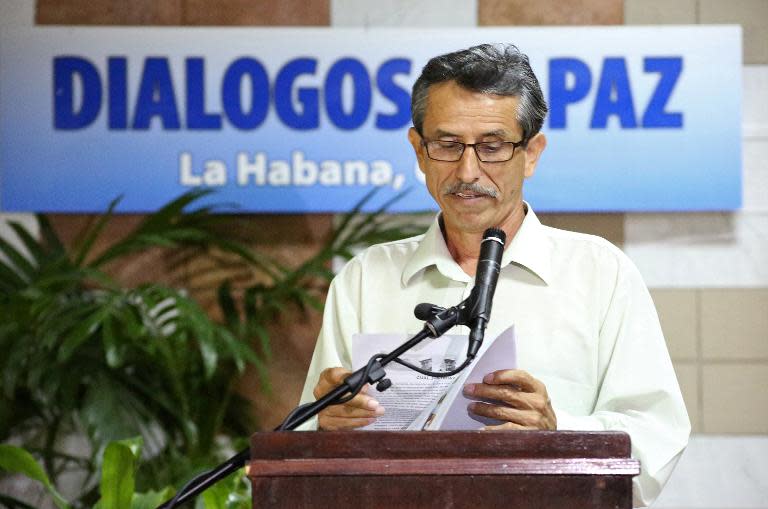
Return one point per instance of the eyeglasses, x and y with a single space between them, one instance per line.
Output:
486 152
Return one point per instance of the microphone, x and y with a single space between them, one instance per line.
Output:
425 311
481 298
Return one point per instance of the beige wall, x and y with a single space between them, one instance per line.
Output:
714 305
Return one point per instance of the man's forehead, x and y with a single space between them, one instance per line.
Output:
448 102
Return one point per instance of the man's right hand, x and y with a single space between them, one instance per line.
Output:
360 411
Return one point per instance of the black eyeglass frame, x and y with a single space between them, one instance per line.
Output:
425 143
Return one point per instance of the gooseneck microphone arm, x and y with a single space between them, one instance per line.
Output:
475 311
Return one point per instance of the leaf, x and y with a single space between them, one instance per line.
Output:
264 342
151 499
135 444
117 477
10 280
19 261
90 236
227 305
114 349
111 411
50 238
83 331
172 209
210 356
215 497
32 244
17 460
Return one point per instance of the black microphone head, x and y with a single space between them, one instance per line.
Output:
495 234
425 311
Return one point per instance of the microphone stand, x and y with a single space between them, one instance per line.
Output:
438 324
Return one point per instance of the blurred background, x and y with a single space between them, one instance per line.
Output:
708 272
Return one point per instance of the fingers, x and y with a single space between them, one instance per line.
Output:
361 410
513 417
516 377
329 379
523 401
509 395
327 423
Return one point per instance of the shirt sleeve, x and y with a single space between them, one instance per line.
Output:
639 393
340 323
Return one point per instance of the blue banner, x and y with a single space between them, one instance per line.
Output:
309 120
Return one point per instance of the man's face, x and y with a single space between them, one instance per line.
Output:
474 195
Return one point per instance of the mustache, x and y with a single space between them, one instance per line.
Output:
474 188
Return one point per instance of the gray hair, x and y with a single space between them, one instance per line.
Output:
499 69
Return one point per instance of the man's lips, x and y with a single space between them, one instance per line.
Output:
467 196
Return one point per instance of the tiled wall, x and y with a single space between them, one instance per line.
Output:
709 272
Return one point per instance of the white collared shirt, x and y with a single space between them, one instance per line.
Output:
584 320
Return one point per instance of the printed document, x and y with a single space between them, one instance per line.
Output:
416 401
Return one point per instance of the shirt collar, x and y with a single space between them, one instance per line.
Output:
529 249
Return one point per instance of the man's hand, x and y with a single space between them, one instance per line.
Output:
523 400
356 413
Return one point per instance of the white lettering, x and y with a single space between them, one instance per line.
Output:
381 173
304 172
215 173
247 169
279 174
186 177
355 172
330 173
258 170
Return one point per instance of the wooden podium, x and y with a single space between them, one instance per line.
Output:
510 469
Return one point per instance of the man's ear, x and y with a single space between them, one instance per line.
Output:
533 150
415 138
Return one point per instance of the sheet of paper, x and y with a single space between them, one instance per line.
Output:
411 392
451 413
414 398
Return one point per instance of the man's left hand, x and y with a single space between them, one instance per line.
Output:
523 401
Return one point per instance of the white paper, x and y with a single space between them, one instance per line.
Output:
451 413
413 398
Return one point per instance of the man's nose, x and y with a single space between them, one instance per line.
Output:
468 169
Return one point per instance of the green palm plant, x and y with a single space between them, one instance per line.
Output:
84 355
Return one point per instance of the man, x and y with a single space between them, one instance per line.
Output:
590 348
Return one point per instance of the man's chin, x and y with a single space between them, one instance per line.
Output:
473 222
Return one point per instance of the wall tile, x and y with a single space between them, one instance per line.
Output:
734 398
432 13
734 324
257 12
752 15
608 226
659 12
109 12
719 472
754 110
694 250
17 13
679 321
688 378
550 12
755 174
755 131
